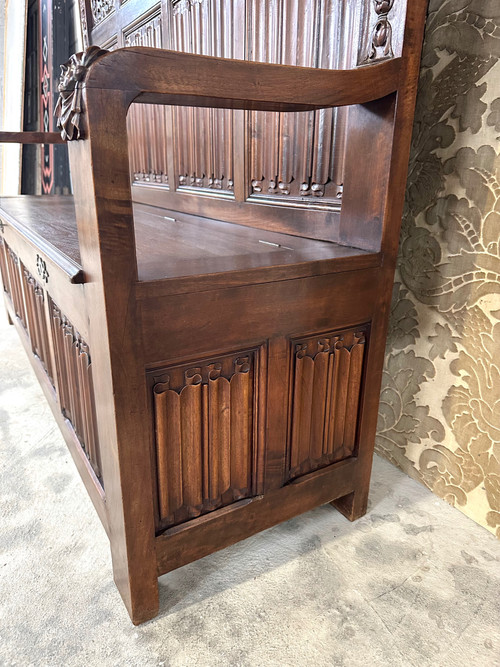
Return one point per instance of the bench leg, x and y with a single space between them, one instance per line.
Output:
354 505
129 499
138 585
9 318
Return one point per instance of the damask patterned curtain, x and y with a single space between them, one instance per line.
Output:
440 405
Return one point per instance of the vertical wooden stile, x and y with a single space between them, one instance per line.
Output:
353 396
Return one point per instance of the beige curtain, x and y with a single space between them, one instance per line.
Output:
440 404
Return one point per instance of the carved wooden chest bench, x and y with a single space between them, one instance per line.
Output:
207 314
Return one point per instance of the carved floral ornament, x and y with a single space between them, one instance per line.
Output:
41 266
69 104
101 9
84 23
181 6
204 374
381 39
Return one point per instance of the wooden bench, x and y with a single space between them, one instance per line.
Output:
212 378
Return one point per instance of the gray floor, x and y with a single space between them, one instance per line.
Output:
413 583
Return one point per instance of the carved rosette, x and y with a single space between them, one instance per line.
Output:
181 6
41 267
381 39
68 109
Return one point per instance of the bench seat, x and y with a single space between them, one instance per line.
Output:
170 244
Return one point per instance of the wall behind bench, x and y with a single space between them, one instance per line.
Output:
440 405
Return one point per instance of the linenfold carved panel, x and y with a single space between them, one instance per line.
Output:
37 322
204 137
301 154
292 156
205 435
13 278
3 266
326 388
294 159
148 145
75 385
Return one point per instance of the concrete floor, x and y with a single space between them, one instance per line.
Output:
413 583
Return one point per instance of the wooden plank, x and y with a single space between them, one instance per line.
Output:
106 238
288 307
170 244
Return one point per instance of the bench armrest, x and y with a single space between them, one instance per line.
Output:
31 138
168 77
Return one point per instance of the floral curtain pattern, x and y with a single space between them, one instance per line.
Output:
439 417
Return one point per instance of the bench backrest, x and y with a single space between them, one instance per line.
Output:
288 169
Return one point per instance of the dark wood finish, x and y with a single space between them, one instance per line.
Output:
325 391
235 369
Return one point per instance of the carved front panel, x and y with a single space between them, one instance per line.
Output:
3 266
325 397
37 322
15 288
205 428
74 381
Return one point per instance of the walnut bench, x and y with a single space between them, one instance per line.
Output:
211 378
